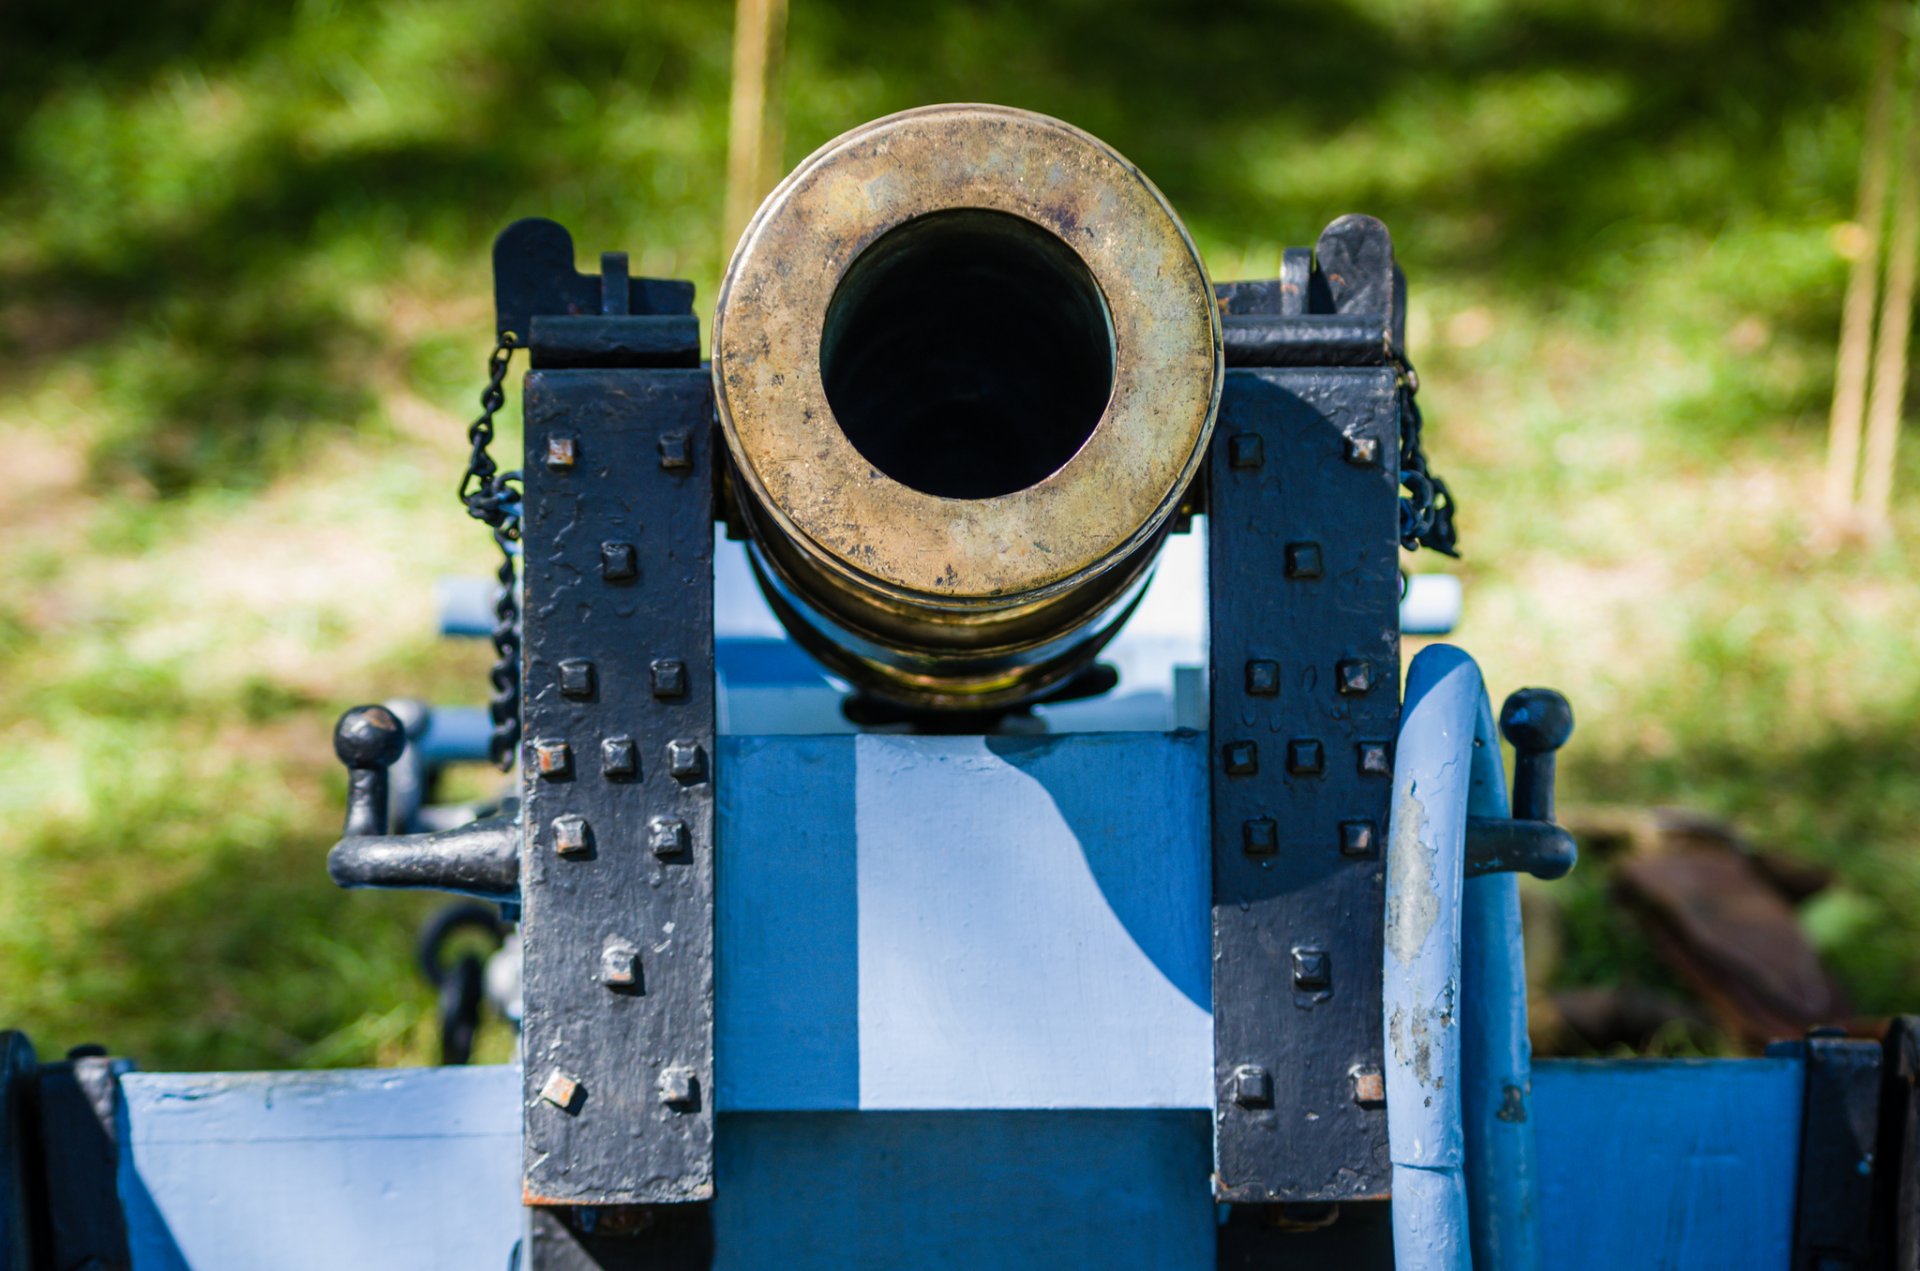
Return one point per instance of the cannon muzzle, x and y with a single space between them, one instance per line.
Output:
967 362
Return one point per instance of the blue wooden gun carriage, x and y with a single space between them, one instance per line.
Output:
1008 842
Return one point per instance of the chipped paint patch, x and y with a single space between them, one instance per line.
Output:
1413 903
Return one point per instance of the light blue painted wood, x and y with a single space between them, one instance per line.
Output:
1043 945
1667 1166
415 1169
1426 860
1643 1165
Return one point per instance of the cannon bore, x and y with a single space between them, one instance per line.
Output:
967 361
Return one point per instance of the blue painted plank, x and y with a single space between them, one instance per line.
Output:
1043 945
413 1168
1667 1164
989 1191
420 1169
1642 1164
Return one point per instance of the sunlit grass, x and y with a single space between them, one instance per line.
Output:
244 304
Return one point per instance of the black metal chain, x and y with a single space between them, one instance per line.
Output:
1427 507
493 496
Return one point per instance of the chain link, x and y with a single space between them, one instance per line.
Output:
493 497
1427 507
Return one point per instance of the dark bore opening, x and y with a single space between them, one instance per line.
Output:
967 354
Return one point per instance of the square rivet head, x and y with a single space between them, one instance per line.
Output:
666 836
679 1088
1306 757
686 761
571 836
562 451
676 452
1263 677
1363 452
553 759
669 677
1369 1087
1244 450
619 965
576 677
619 757
1354 676
1375 758
1356 838
1260 836
1303 560
618 562
1251 1086
560 1090
1312 969
1242 758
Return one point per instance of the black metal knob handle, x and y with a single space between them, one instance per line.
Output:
368 740
1537 722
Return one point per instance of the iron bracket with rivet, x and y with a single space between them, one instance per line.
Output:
617 865
1304 592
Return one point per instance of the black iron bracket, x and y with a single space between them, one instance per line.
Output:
618 778
59 1158
1835 1221
1304 593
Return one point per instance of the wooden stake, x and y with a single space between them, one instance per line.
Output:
753 124
1896 317
1856 321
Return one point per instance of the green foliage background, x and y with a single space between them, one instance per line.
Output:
244 303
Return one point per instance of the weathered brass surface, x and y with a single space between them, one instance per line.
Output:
967 362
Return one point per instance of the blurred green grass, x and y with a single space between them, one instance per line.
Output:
244 304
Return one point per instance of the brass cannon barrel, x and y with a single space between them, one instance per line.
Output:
967 361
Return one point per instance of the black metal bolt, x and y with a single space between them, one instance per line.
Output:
1303 560
1353 676
618 562
1251 1086
560 1090
1363 452
1536 722
1263 677
1260 836
369 740
1242 758
562 452
576 678
679 1088
1244 450
1369 1086
1356 838
686 761
619 965
553 759
1306 757
666 836
669 677
571 835
1375 759
619 757
1312 969
676 452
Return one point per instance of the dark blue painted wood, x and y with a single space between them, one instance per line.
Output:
1667 1164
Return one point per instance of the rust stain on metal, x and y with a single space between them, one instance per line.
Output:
1513 1104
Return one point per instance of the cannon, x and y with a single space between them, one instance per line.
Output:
966 361
943 976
